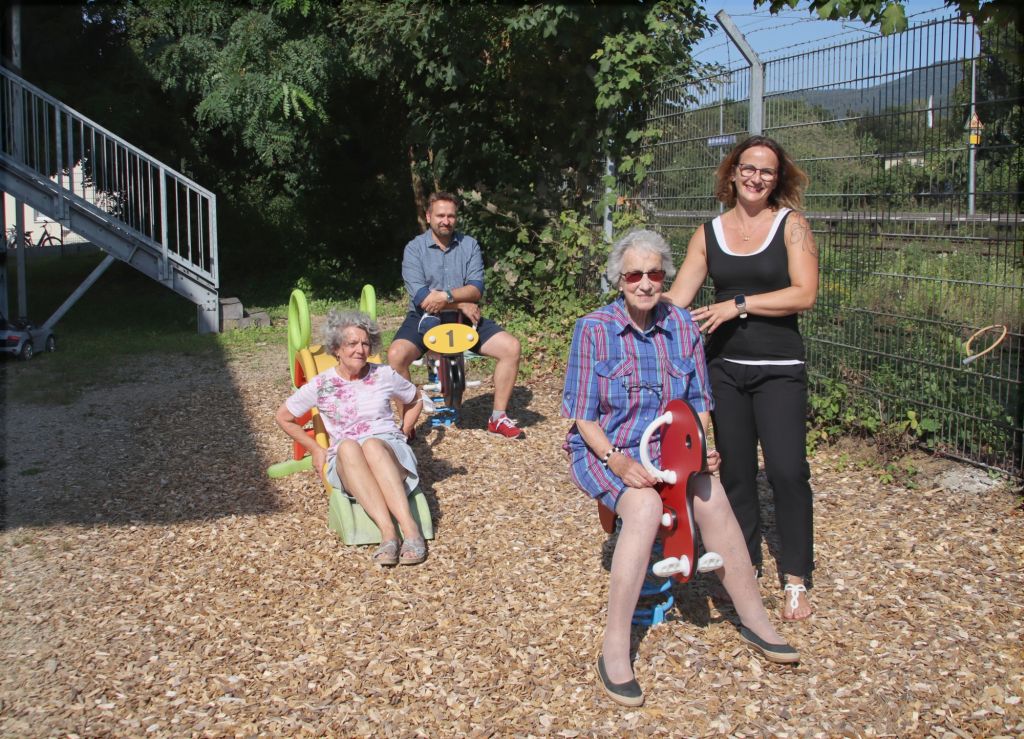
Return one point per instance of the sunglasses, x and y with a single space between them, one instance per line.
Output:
654 275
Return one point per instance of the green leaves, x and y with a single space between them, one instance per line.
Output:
293 99
258 74
523 102
888 15
892 20
548 271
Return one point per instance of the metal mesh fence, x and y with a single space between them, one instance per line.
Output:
917 219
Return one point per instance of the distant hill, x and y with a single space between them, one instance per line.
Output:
938 81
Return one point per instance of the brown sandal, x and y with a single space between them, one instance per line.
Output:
414 551
387 553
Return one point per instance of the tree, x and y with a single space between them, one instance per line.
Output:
296 110
889 15
522 103
322 125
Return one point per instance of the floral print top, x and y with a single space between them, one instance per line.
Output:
354 409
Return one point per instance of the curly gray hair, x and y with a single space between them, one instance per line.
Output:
338 321
641 240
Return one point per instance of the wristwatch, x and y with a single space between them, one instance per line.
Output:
448 294
741 305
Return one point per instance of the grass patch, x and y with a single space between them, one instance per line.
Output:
124 314
127 315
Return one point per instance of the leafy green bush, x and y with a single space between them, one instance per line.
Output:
552 272
549 277
899 403
836 410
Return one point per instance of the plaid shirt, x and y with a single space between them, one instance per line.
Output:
623 378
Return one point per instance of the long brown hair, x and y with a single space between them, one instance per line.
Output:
789 183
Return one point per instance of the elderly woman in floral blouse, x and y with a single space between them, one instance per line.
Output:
369 458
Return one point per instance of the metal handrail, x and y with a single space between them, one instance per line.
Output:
160 207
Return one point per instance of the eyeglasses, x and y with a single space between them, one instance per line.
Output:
748 170
654 275
635 387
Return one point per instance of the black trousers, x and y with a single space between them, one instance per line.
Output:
766 403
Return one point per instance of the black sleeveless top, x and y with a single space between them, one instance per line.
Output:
766 270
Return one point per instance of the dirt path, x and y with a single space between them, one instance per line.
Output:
155 582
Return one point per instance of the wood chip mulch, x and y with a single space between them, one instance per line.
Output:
155 582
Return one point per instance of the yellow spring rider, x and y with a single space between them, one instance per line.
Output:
345 518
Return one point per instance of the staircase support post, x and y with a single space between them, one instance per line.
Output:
19 244
79 292
208 315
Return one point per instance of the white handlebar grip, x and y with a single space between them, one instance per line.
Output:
668 476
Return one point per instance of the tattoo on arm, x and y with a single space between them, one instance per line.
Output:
800 235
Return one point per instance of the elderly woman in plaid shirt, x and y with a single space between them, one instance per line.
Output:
627 361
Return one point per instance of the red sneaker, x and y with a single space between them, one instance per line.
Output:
505 426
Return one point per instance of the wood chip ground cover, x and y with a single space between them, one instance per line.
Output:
155 582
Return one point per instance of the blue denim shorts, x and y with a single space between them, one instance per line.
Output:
409 330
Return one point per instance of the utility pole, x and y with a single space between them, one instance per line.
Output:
973 127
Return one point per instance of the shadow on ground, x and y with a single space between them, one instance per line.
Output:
477 410
102 459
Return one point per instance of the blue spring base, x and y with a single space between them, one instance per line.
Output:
443 416
653 612
655 595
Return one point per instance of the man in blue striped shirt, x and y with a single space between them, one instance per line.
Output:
443 270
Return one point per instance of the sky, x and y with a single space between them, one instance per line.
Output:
792 31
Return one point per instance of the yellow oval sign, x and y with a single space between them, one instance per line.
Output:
450 338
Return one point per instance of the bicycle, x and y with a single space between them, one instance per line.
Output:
45 239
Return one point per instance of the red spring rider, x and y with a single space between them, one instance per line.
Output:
684 454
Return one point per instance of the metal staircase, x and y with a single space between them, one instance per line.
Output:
132 206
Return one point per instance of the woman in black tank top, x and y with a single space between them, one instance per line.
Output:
763 262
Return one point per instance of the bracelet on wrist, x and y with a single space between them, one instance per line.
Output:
608 455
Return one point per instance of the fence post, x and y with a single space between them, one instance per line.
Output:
609 169
755 119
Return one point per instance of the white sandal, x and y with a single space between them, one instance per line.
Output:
793 590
